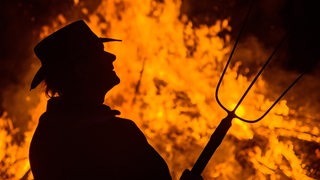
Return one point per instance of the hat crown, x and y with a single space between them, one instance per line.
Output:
73 38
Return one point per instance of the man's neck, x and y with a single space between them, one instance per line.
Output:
92 99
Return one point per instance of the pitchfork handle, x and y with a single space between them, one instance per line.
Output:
214 142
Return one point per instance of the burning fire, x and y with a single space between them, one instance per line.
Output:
169 70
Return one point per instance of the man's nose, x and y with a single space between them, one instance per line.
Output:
110 56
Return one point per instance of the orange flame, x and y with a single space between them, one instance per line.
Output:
169 70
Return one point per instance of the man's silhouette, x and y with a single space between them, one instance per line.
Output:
78 137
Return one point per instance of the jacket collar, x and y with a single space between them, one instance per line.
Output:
58 105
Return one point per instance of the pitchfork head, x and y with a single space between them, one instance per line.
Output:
231 113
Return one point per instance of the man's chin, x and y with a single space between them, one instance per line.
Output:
115 81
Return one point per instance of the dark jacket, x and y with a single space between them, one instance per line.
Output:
82 142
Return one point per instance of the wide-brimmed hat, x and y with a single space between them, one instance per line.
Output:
55 49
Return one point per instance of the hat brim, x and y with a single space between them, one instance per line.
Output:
108 39
41 72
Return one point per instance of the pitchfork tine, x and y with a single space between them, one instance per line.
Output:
275 102
231 54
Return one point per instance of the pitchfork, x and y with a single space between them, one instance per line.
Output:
222 129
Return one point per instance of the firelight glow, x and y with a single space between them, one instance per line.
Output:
169 70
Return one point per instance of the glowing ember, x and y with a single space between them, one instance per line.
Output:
169 70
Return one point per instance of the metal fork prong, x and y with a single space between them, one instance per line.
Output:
275 102
259 73
230 57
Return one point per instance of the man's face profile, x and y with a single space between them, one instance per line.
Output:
96 70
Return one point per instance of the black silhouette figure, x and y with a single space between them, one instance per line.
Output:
78 137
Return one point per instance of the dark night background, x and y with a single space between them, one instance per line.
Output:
21 21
